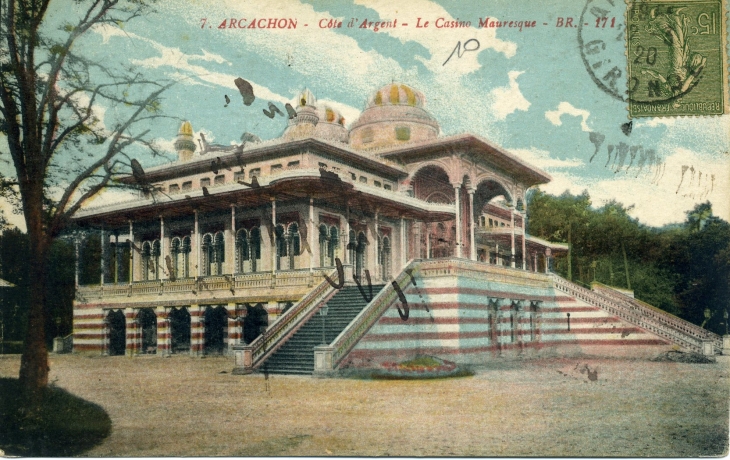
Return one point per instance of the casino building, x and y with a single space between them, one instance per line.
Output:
330 248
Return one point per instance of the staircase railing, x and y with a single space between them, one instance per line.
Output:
663 324
267 343
349 337
659 315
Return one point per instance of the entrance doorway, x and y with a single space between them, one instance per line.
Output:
148 325
179 330
256 319
117 332
216 322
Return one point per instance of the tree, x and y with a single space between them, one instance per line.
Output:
63 154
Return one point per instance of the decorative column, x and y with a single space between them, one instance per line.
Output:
310 234
164 273
417 236
196 242
117 258
197 329
103 255
233 327
274 246
232 266
472 244
403 248
130 346
457 206
534 260
163 331
524 240
547 260
345 240
512 241
105 333
428 241
376 238
76 261
131 253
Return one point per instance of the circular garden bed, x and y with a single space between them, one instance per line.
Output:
420 367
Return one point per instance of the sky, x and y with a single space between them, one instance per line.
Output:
525 89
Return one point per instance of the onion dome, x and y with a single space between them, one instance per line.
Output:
397 94
394 115
311 121
331 125
184 144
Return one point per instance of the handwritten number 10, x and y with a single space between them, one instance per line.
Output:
458 50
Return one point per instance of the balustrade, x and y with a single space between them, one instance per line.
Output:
656 321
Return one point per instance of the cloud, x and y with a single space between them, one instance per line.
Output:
542 159
440 42
310 51
566 108
655 122
658 199
167 145
508 99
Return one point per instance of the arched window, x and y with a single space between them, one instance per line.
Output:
360 254
385 257
207 253
329 240
334 244
294 243
146 254
281 245
351 246
156 251
324 239
183 269
242 252
219 254
254 247
175 256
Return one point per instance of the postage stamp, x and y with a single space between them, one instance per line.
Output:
677 58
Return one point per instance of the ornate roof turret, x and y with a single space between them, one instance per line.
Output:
184 144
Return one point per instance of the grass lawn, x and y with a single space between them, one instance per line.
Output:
185 406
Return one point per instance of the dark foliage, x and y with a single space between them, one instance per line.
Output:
683 269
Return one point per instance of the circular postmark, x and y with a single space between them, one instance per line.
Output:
641 53
602 45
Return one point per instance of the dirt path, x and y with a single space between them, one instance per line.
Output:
194 407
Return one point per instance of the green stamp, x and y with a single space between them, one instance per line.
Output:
677 58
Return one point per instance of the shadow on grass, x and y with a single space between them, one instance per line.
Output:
63 426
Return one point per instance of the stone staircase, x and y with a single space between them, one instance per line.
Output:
296 356
663 324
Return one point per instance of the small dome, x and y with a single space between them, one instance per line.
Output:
331 125
397 94
322 123
186 128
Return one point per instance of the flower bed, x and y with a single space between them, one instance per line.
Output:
420 367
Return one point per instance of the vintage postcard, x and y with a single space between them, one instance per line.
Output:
364 228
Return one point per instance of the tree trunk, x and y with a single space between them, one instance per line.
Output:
34 368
